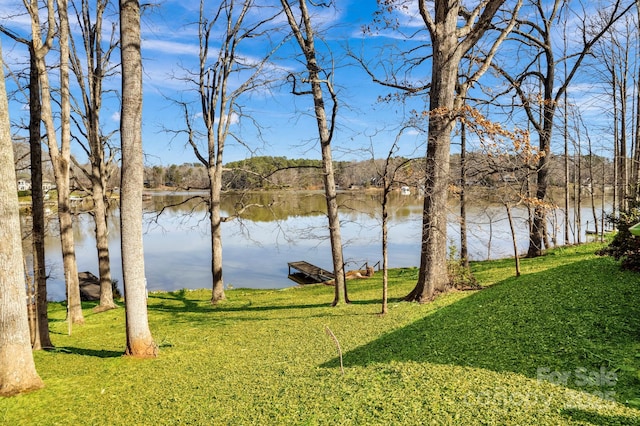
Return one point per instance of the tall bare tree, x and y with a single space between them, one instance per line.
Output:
140 342
320 81
388 175
90 70
536 32
223 77
17 369
60 155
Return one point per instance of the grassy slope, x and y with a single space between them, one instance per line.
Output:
263 357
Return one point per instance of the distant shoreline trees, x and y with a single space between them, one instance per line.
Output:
282 173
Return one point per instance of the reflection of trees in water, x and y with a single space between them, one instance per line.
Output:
269 206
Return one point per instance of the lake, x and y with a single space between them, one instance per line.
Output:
291 226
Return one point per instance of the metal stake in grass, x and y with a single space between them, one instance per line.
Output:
335 339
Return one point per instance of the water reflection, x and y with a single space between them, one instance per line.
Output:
289 226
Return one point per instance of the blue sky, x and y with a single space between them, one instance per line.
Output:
170 44
287 128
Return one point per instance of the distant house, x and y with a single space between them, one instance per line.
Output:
24 185
405 190
47 186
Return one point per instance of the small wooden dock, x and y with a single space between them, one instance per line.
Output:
305 273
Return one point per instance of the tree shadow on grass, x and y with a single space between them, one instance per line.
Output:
204 307
165 302
582 315
89 352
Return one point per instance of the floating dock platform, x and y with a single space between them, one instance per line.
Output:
305 273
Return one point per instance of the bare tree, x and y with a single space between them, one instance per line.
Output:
320 80
60 155
223 77
140 342
390 169
535 32
90 71
17 370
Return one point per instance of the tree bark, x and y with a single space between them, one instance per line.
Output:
449 44
17 369
59 155
432 275
140 343
304 35
41 338
464 246
215 179
96 63
61 166
102 243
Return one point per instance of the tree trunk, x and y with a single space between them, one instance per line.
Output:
17 368
102 242
59 156
464 247
514 240
340 286
385 241
305 38
215 178
446 98
140 343
61 167
433 276
636 141
93 66
41 338
539 225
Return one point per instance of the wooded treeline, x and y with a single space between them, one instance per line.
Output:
590 172
499 79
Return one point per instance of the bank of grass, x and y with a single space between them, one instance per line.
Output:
554 346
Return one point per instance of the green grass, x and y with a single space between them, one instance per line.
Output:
558 345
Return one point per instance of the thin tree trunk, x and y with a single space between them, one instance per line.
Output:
566 159
464 247
61 166
41 338
616 149
636 142
385 240
592 184
305 39
578 185
102 244
514 240
91 93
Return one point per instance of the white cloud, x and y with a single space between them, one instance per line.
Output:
169 47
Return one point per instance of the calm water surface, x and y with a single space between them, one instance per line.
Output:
292 227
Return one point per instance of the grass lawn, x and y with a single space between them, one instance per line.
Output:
558 345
